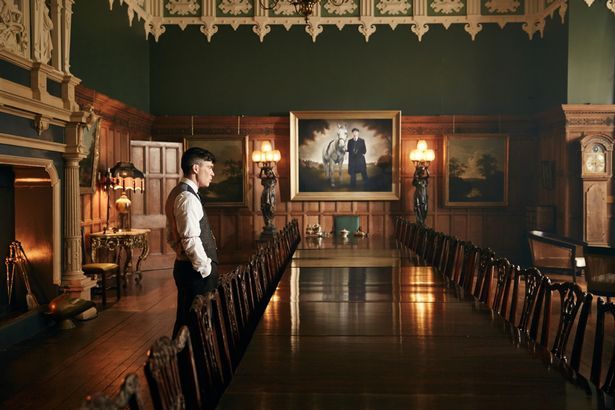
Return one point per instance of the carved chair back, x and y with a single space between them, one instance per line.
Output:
481 287
171 373
572 300
502 273
129 397
230 314
603 308
533 280
471 261
210 356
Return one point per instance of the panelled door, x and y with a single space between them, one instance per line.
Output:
160 162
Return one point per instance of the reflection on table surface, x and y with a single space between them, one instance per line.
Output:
351 327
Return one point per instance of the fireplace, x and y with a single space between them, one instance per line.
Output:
30 214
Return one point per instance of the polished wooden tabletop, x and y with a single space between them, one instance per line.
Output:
355 325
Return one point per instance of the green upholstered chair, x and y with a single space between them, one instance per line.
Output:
349 222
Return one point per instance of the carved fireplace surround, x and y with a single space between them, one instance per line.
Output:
38 42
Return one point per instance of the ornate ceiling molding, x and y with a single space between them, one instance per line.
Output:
365 14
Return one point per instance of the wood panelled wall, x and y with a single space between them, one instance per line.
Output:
549 139
555 153
501 228
119 124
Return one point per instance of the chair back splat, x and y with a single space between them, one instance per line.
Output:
608 386
572 302
129 397
171 373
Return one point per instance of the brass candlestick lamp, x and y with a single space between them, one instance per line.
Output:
126 177
421 157
266 159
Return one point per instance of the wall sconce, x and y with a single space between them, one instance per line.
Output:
123 176
266 159
421 157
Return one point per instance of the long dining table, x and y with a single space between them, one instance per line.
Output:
358 324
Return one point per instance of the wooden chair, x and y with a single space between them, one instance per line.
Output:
443 254
129 397
607 389
481 287
471 262
502 272
107 275
230 318
349 222
171 373
573 302
209 336
533 281
458 261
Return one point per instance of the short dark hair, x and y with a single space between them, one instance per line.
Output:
193 156
355 129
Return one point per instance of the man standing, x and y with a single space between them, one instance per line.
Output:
189 233
356 158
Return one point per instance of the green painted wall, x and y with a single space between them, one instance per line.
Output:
591 48
445 73
108 55
550 62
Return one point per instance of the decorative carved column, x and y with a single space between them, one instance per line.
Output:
73 279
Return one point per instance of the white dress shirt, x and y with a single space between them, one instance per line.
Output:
188 213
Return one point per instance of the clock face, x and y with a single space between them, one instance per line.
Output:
595 161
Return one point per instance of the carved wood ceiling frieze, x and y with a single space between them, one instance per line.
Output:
366 15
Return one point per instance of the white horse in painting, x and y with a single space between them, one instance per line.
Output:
334 154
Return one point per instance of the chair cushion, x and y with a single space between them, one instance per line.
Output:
99 267
349 222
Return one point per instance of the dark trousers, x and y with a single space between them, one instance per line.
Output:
353 178
189 284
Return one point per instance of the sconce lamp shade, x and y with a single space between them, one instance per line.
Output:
422 154
266 155
127 177
421 145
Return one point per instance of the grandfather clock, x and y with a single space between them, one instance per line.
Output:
596 173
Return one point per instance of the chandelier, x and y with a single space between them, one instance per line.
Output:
303 7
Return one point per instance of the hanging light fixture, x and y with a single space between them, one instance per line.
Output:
303 7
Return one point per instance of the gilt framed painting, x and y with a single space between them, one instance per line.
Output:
344 155
476 170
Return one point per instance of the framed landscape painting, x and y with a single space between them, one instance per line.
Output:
229 186
476 170
344 155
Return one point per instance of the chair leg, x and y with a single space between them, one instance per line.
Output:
104 288
117 284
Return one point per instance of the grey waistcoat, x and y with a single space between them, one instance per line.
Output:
207 236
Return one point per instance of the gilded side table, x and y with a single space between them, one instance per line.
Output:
126 241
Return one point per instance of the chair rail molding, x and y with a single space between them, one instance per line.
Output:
365 14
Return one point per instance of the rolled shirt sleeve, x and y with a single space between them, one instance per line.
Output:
188 214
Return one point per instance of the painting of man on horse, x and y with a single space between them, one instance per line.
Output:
327 157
